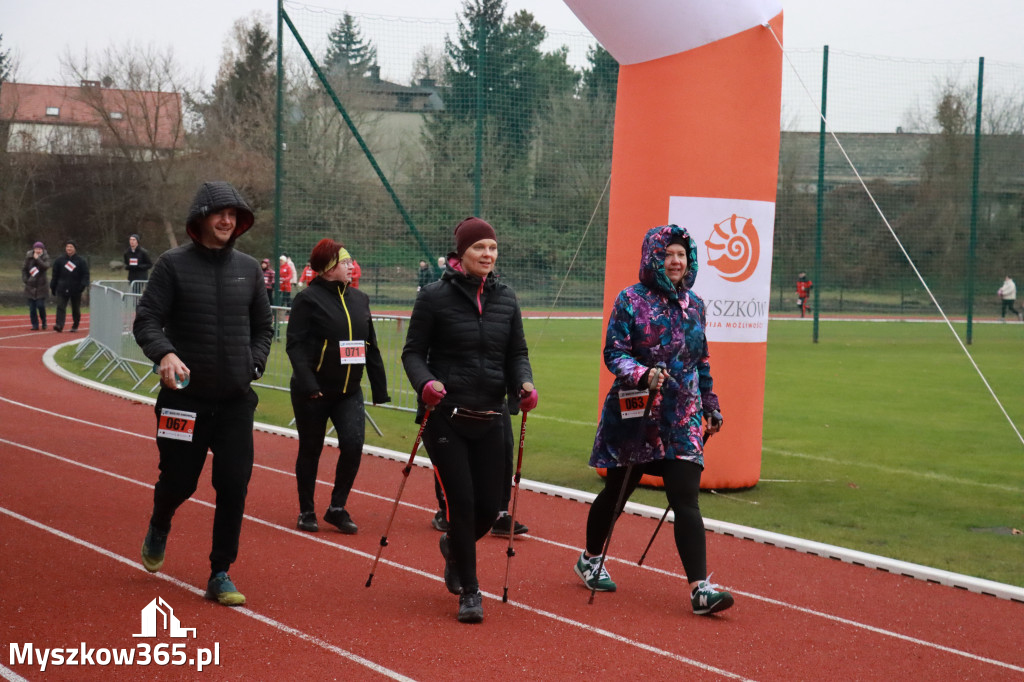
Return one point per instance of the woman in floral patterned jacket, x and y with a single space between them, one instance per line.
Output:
658 322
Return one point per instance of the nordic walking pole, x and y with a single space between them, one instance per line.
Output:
621 502
663 517
401 486
510 552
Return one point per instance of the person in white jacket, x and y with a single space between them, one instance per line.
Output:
1008 292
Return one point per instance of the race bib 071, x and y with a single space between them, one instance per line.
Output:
632 403
352 352
176 425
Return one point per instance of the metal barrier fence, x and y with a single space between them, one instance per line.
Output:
112 307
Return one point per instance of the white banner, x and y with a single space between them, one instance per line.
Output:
734 254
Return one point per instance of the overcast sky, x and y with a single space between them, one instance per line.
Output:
38 31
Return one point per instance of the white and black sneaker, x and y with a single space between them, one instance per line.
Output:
594 578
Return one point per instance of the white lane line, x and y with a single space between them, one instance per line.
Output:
10 675
534 538
307 536
911 473
277 625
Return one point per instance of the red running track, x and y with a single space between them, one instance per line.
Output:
76 474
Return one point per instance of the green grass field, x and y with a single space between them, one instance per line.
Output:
881 437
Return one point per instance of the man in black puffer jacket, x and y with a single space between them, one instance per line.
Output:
205 320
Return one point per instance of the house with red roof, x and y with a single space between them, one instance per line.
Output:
90 120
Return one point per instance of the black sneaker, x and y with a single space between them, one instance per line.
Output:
503 525
307 522
338 517
440 521
451 575
153 548
471 607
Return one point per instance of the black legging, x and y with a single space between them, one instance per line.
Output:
470 466
349 418
682 486
1008 305
506 488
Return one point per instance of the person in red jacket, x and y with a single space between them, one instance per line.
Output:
307 275
356 272
803 292
286 274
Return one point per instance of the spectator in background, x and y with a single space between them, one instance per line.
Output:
33 274
268 279
1008 292
286 275
136 260
423 277
69 279
356 273
307 275
803 292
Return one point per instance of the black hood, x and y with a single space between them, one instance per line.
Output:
213 197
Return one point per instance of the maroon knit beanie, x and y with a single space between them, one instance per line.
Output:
469 232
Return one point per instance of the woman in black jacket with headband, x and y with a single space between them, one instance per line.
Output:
330 340
464 352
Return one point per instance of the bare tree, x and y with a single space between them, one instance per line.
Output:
138 95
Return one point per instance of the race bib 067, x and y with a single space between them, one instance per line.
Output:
176 425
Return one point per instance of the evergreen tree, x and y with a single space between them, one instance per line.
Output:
6 62
601 77
348 53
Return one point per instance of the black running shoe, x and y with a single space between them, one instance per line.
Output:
503 525
440 521
307 522
451 575
338 517
153 549
471 607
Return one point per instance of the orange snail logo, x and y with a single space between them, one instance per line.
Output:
734 250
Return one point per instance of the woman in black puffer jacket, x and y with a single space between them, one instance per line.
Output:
330 340
464 352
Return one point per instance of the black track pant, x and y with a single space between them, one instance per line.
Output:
469 461
62 307
226 430
349 419
682 486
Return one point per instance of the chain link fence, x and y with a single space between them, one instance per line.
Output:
392 130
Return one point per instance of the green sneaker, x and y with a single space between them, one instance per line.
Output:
706 598
221 589
153 548
587 570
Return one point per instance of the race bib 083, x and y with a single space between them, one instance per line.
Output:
176 425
